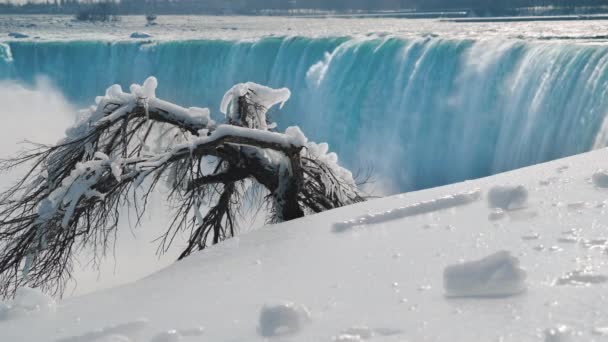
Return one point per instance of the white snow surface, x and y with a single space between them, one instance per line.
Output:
175 27
27 302
381 280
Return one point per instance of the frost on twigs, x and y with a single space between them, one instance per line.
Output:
497 275
127 144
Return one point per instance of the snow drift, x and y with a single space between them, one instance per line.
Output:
384 281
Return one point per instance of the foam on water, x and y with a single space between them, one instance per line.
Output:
421 112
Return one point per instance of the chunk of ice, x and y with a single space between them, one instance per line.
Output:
600 178
18 35
508 197
283 319
140 35
497 275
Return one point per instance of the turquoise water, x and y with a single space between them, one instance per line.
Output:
421 112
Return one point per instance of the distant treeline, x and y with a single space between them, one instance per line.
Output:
475 7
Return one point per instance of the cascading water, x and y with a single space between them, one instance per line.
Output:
421 113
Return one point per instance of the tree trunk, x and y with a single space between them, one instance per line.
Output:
288 195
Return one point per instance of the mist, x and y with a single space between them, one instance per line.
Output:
41 114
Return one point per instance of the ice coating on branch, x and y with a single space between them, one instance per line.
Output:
145 95
259 94
80 184
288 140
321 153
296 135
146 90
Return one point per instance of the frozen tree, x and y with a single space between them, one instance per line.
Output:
122 148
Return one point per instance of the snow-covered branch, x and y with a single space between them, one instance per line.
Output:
125 145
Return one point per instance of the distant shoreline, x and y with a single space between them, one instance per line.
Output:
447 16
396 15
527 18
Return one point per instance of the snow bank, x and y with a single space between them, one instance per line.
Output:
27 302
392 276
497 275
283 319
507 197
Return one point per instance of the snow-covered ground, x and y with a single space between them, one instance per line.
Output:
520 256
134 28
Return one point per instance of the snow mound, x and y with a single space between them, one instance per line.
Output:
283 319
27 302
507 197
600 178
139 35
18 35
497 275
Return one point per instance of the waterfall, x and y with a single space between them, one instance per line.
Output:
420 113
